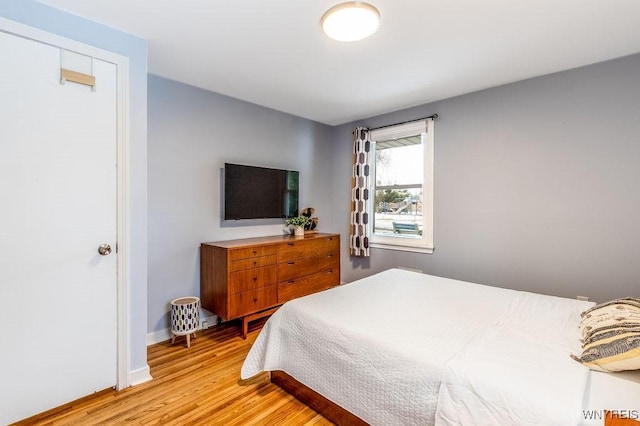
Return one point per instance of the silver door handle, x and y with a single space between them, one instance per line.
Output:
104 249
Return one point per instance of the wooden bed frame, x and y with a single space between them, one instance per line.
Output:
313 399
342 417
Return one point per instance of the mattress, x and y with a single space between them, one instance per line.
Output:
401 348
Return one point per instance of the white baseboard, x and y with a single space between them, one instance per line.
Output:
140 376
158 336
207 319
410 269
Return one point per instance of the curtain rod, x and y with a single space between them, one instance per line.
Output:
434 116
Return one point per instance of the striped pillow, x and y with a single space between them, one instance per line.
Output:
611 313
611 336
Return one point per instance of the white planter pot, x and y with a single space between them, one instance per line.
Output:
299 231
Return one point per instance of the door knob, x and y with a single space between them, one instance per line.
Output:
104 249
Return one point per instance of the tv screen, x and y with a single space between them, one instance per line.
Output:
259 193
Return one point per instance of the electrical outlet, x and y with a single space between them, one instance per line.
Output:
204 324
583 298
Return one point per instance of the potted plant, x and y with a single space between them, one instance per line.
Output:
298 222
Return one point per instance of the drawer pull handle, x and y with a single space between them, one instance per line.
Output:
330 271
291 262
255 278
255 263
255 300
255 252
330 255
290 244
330 238
290 282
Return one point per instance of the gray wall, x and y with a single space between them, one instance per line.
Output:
536 185
71 26
192 133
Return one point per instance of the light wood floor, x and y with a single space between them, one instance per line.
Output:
196 386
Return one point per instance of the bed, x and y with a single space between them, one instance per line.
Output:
405 348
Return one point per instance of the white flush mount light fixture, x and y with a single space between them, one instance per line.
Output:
350 21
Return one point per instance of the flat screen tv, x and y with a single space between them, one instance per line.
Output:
252 192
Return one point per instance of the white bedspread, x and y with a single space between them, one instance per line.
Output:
403 348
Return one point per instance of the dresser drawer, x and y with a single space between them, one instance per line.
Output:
251 252
301 267
252 301
308 248
255 262
251 279
291 289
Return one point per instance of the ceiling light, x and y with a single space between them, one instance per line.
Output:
350 21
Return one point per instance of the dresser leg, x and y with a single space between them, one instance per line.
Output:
245 327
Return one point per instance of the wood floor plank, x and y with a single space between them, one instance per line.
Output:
191 386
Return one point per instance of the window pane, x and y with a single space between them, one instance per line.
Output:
398 194
398 212
399 165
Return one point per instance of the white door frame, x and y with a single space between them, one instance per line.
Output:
123 184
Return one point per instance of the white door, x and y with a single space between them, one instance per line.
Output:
58 295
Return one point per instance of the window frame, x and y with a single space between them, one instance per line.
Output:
425 244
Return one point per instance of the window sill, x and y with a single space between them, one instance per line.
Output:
413 249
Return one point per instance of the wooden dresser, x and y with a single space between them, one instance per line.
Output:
250 278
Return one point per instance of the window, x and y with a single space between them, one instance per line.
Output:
402 199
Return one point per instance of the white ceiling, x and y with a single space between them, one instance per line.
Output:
273 53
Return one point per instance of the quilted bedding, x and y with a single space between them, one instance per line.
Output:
404 348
